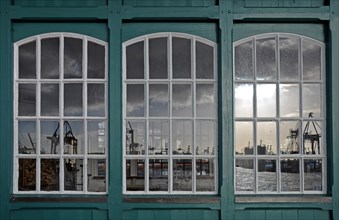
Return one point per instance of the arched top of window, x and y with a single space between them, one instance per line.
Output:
279 57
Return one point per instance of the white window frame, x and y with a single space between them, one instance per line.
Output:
169 81
61 118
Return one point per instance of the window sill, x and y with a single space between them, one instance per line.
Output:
308 199
59 199
194 200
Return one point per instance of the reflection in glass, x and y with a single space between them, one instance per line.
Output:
205 137
73 99
312 137
73 174
313 175
182 175
135 61
27 137
27 175
244 175
74 137
158 137
289 100
267 175
204 61
27 61
49 138
182 137
72 58
182 100
135 137
135 175
266 100
266 59
244 138
96 99
27 100
243 100
96 61
96 134
50 99
205 100
135 100
158 175
96 173
290 137
158 100
289 58
312 100
205 175
49 178
290 175
243 63
50 58
158 58
266 138
181 58
311 60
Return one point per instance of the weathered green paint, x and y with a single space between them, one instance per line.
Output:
165 3
283 3
58 3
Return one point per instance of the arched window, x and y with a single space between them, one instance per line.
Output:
60 87
279 99
170 129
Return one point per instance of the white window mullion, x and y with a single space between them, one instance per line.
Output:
85 84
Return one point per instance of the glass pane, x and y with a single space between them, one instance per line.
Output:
266 60
27 61
73 174
312 137
96 175
243 100
96 100
73 99
289 100
244 138
266 138
50 58
158 100
135 175
181 58
72 58
182 137
205 175
135 100
267 175
182 175
158 138
205 100
243 63
312 100
182 100
313 175
289 58
290 175
96 61
290 137
311 60
50 137
135 61
204 61
135 137
158 58
96 133
49 175
205 137
27 137
244 175
266 100
74 137
158 175
27 100
50 99
27 175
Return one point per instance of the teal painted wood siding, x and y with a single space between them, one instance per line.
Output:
280 3
170 3
283 214
60 3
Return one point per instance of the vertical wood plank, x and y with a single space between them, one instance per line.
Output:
291 214
257 214
269 3
321 215
274 214
146 215
242 215
130 215
286 3
162 214
179 214
305 215
252 3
